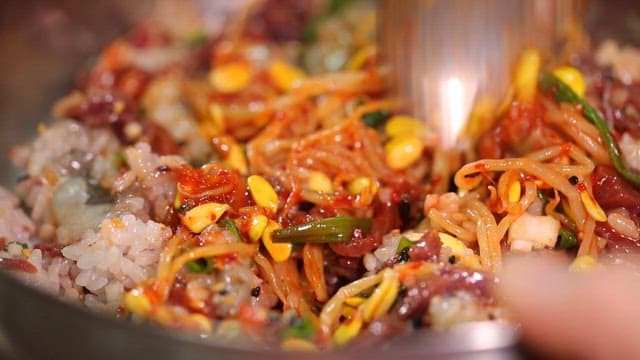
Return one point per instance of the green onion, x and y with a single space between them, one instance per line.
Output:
566 239
563 93
336 6
310 32
197 39
403 249
403 244
6 246
200 266
230 225
375 118
330 230
301 328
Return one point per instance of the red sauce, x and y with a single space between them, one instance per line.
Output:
427 248
17 265
195 185
521 131
178 296
160 139
50 250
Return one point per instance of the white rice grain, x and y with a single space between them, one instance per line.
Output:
108 258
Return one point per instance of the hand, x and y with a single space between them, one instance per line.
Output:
587 315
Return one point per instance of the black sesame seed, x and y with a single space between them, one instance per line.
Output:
452 259
255 292
404 256
574 180
306 206
223 292
404 209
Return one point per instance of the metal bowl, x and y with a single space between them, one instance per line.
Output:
44 44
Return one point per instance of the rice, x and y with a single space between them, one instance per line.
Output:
53 276
15 225
110 245
65 148
61 162
630 149
122 252
145 179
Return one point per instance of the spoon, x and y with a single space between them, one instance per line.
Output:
449 57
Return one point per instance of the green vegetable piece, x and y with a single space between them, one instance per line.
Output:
310 31
23 245
566 240
403 244
197 39
200 266
301 328
336 6
375 118
563 93
230 225
119 159
330 230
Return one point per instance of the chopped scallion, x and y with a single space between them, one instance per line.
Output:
200 266
335 229
403 244
301 328
375 118
566 239
230 225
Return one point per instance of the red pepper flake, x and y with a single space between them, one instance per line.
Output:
481 167
226 259
50 250
17 265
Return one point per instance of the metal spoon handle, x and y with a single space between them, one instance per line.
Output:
447 54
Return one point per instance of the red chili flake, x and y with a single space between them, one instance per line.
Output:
565 149
481 167
198 186
50 250
18 265
228 258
